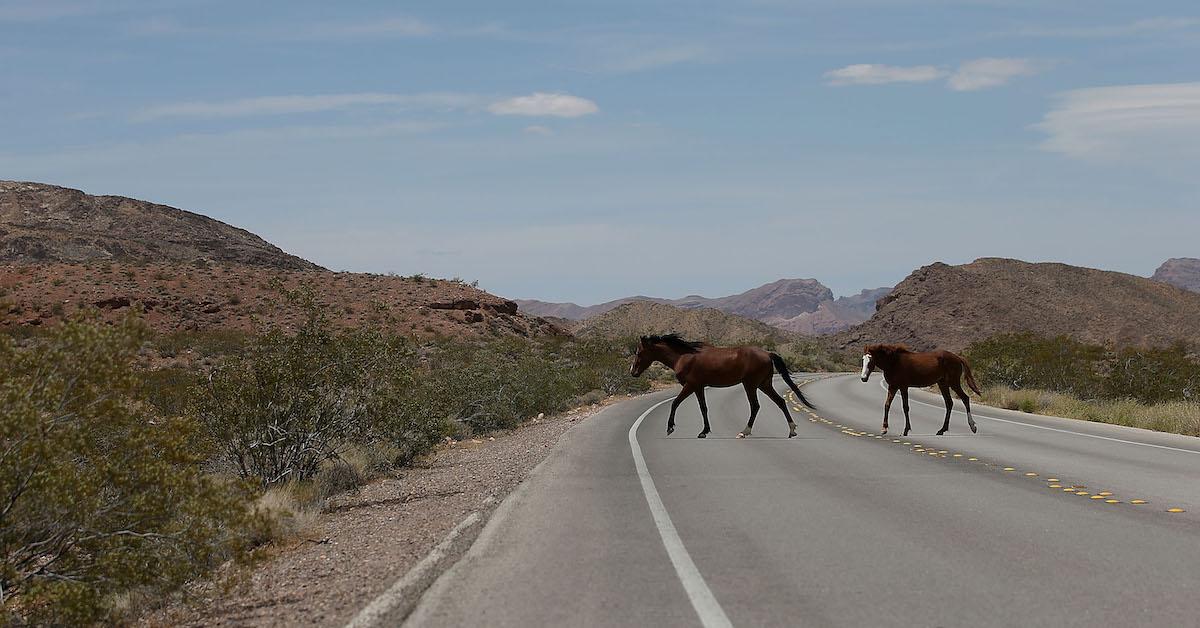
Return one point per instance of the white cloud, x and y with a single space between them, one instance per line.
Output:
1128 121
970 75
383 28
1139 27
300 103
878 74
544 104
988 72
653 59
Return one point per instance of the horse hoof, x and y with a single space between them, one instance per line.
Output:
702 435
884 432
974 430
669 430
941 432
792 435
741 435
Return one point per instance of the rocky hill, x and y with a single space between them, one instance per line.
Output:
952 306
63 251
47 223
708 325
1181 272
801 305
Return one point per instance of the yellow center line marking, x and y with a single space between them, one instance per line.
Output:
1070 489
973 459
1112 501
1175 510
1097 497
958 455
1009 469
1105 493
1055 486
1051 479
1084 493
1031 474
1138 501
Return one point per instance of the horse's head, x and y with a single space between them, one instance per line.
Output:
643 357
868 365
879 356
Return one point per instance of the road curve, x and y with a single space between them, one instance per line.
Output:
839 527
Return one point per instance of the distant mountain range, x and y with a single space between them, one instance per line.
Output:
799 305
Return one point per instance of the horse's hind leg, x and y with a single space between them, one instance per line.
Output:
703 412
966 399
769 390
752 396
949 406
904 402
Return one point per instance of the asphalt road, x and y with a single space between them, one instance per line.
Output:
837 527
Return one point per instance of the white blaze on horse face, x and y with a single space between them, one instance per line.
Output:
866 365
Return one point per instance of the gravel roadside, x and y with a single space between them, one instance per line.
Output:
368 539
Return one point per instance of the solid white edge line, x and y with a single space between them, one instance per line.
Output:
1055 429
707 608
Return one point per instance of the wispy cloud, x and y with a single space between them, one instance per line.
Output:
1146 26
545 104
383 28
988 72
971 75
1143 121
879 74
299 103
642 60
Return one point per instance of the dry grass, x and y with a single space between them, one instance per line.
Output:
1178 417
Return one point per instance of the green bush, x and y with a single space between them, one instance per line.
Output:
102 498
294 401
1062 365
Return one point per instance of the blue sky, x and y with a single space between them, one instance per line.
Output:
589 150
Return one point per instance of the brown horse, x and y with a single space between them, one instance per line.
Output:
903 367
697 365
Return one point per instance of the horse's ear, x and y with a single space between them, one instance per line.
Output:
643 341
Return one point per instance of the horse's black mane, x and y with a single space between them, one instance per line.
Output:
675 342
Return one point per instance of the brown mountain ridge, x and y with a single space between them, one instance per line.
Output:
952 306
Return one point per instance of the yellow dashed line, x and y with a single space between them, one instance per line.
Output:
958 455
1104 493
1051 479
1112 501
1097 497
1031 474
1009 469
973 459
1138 501
1055 486
1175 510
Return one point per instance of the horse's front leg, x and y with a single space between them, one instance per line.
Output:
904 402
703 412
887 406
683 394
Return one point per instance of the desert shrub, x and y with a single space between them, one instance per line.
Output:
170 390
499 384
101 496
213 342
1063 365
294 401
817 356
1026 360
1180 417
1153 375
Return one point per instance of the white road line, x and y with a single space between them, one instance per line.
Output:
706 605
1055 429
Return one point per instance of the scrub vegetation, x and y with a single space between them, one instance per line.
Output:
1151 388
120 482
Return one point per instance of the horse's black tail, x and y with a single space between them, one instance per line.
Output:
781 367
970 376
